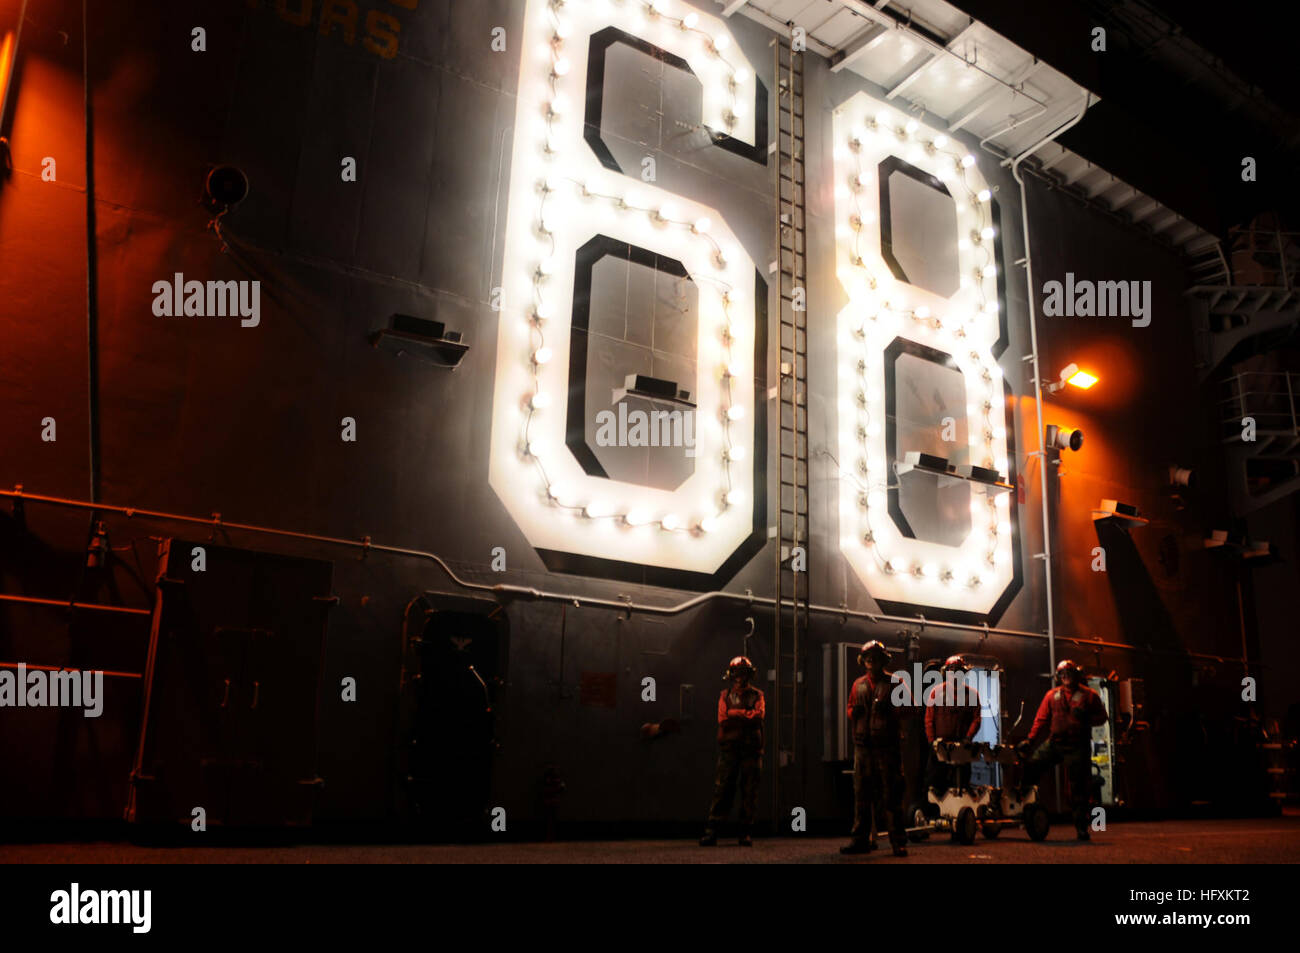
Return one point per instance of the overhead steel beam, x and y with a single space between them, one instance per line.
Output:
1107 182
1122 204
911 77
869 12
987 98
865 41
732 7
930 60
1162 222
1137 216
905 25
770 22
977 105
1056 159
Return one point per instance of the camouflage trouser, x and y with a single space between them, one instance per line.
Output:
878 789
1077 759
736 767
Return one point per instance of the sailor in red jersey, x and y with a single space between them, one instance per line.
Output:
877 753
1066 718
952 713
741 710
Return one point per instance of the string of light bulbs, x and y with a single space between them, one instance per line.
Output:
981 236
540 355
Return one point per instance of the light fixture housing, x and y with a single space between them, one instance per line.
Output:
224 188
1073 375
1063 438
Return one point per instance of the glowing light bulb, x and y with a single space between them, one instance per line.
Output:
722 42
967 161
736 454
540 401
541 355
984 195
536 447
708 524
734 497
561 66
911 127
689 21
987 232
922 312
701 225
670 522
990 270
735 412
741 75
940 141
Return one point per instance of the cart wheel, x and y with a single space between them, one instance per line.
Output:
918 820
1037 823
963 829
988 826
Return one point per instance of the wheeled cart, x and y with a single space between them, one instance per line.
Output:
983 808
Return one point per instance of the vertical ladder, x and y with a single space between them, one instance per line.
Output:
790 269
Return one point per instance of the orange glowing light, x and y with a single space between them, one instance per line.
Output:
1082 380
6 66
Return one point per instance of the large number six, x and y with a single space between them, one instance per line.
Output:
565 192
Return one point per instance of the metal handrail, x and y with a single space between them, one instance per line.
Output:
1234 405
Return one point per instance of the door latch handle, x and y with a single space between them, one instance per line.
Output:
256 687
225 698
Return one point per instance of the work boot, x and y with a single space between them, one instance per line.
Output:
1082 834
858 847
709 839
